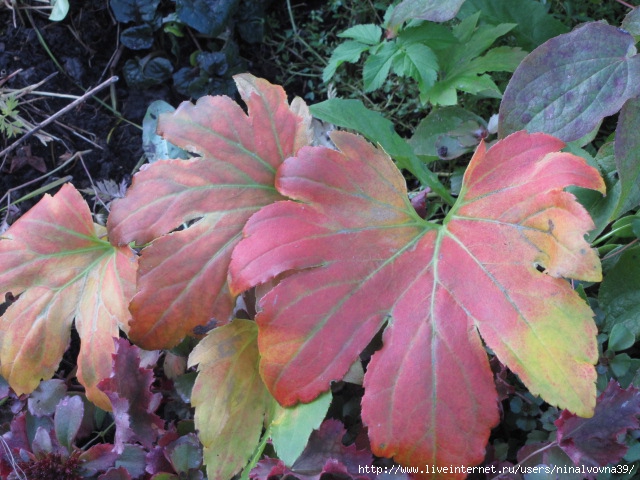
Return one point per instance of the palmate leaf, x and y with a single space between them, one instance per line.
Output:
182 281
56 259
366 259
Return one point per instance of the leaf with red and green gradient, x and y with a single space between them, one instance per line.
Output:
596 441
231 401
365 259
182 282
59 263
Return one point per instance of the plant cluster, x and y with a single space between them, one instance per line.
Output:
192 43
301 269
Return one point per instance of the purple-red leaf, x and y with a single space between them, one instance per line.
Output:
183 275
324 454
596 441
365 259
129 390
62 267
567 85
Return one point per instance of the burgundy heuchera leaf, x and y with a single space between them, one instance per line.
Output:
366 260
129 390
324 454
182 281
596 441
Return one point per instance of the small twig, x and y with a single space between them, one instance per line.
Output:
55 116
93 185
620 250
628 5
48 174
299 38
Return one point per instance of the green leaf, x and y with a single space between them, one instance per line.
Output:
619 294
420 63
292 426
377 66
231 402
534 24
368 34
626 227
209 17
600 207
144 74
137 11
448 122
461 69
138 37
620 365
68 419
354 115
567 85
620 338
434 36
627 155
155 147
59 10
631 22
499 59
348 51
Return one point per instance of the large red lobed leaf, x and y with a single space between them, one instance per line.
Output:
182 281
366 259
56 259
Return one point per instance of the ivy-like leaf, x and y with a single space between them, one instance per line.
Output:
231 401
595 441
56 259
366 259
567 85
183 276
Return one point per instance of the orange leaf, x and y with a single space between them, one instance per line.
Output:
56 259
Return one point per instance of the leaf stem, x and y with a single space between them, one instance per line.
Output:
299 38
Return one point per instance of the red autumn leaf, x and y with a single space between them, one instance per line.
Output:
62 267
129 390
182 280
596 441
365 259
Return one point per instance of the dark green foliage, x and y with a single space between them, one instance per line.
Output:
197 67
206 16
